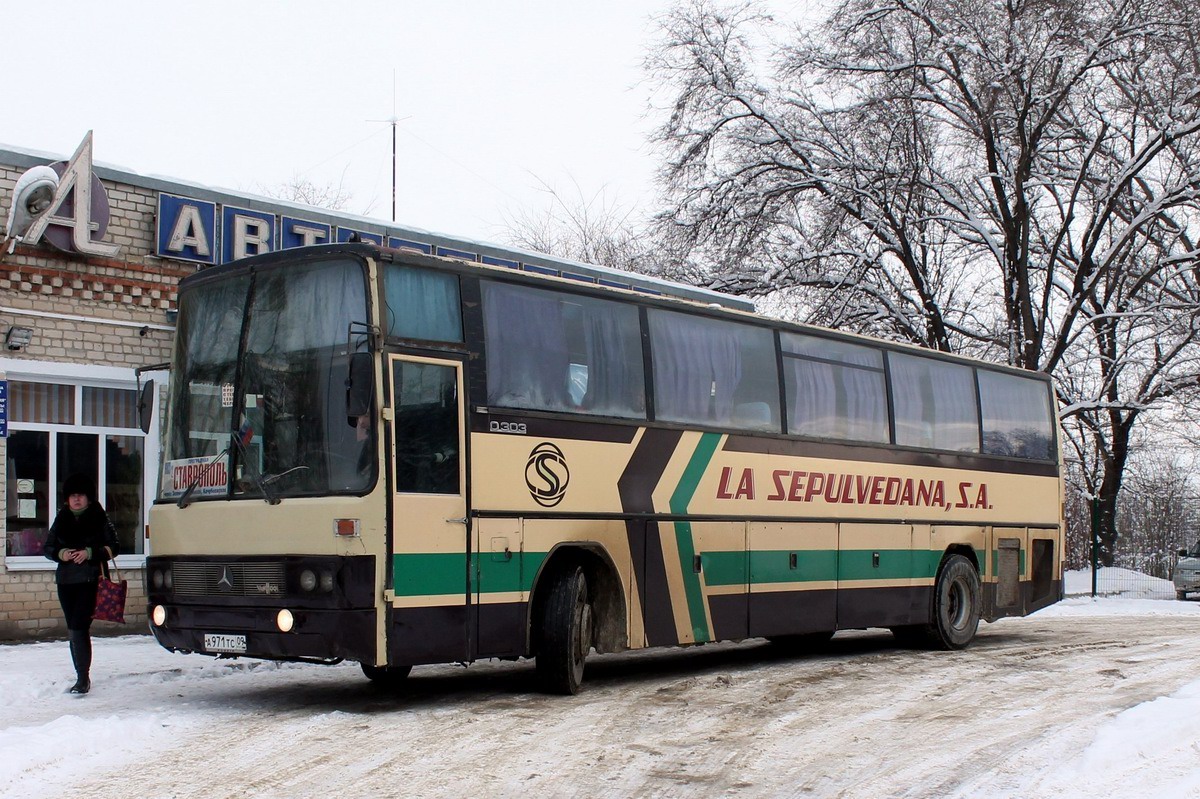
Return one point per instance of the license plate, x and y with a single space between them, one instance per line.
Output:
218 642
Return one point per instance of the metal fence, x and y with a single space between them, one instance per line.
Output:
1144 558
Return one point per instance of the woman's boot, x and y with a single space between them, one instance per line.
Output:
81 656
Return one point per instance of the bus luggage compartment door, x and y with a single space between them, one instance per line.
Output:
793 578
498 592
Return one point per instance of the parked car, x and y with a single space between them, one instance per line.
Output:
1187 572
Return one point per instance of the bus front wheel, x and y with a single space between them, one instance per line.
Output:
386 676
566 634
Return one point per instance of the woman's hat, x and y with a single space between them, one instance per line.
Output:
79 484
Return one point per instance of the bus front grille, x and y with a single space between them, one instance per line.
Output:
228 579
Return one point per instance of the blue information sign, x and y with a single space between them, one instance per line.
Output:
3 409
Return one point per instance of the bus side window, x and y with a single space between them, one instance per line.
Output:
713 372
426 424
555 351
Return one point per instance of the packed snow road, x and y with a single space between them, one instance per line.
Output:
1058 704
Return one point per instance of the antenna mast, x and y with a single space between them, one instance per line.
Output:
392 121
393 145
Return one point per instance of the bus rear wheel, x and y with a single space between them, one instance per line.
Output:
955 611
566 633
955 604
386 676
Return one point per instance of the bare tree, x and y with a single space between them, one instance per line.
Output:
1018 180
330 196
595 230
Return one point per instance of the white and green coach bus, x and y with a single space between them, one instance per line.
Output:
400 459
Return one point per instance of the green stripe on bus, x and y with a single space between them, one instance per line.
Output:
429 573
819 565
724 568
894 564
680 499
774 566
434 574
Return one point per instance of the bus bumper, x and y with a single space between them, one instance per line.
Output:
323 635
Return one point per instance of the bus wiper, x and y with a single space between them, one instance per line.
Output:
271 478
186 498
235 439
240 438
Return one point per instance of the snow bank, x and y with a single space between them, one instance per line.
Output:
1117 581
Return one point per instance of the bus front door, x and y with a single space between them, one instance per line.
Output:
426 443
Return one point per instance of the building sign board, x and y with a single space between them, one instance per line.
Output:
295 232
245 233
187 229
205 232
344 235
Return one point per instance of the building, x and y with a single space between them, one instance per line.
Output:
88 296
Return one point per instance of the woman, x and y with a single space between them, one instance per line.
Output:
80 540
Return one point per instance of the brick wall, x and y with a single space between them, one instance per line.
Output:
135 291
29 606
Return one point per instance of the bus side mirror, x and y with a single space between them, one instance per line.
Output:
145 406
360 387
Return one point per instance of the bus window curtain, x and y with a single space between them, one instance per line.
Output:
422 304
615 382
697 367
527 354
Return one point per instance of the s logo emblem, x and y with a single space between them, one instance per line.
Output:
547 475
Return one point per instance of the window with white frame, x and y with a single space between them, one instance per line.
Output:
61 428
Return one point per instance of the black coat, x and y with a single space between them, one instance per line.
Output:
92 528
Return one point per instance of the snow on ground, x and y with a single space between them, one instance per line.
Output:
1116 581
1153 746
1090 697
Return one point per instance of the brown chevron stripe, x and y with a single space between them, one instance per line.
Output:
636 488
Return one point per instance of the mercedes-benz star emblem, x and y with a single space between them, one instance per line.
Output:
226 581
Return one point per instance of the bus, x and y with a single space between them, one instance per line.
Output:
396 458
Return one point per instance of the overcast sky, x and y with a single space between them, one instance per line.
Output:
495 97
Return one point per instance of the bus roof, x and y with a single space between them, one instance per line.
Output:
530 263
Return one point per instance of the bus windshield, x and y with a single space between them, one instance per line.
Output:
258 396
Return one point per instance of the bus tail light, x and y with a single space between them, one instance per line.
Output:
346 527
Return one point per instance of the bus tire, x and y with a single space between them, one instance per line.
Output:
566 633
386 676
956 604
954 612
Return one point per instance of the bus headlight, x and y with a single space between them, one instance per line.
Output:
159 615
161 578
326 581
284 621
308 580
